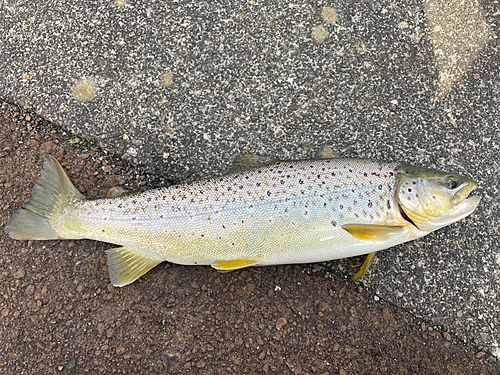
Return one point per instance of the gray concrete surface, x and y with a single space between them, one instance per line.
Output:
182 86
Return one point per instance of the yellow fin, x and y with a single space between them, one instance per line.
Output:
366 265
117 191
126 265
52 192
327 153
374 232
230 265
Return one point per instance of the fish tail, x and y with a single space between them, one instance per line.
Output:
52 191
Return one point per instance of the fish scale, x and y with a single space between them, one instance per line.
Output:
262 212
238 215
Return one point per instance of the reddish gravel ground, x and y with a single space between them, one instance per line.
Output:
60 314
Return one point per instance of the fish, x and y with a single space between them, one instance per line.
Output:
261 211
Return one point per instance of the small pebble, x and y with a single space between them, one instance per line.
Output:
280 323
19 274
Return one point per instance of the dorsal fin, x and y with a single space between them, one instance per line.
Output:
244 162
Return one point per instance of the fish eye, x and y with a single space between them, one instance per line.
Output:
452 183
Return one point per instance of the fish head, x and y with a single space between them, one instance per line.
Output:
431 199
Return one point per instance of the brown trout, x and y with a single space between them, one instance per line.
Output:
261 212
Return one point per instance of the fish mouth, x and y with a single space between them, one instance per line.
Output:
464 194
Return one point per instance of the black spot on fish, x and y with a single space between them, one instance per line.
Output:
333 173
380 187
268 193
388 204
370 204
258 184
301 182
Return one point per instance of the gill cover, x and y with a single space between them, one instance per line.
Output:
432 199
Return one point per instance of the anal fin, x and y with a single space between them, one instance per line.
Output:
366 265
230 265
374 232
126 265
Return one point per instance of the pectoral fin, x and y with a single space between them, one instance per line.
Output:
366 265
374 232
126 265
230 265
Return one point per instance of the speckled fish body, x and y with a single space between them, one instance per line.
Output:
276 213
284 213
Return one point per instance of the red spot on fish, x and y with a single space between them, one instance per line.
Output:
270 221
216 212
293 222
162 218
191 217
77 214
251 206
64 213
105 218
135 218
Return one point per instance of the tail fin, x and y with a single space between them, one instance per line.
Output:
52 190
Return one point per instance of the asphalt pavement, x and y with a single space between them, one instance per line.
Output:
180 87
